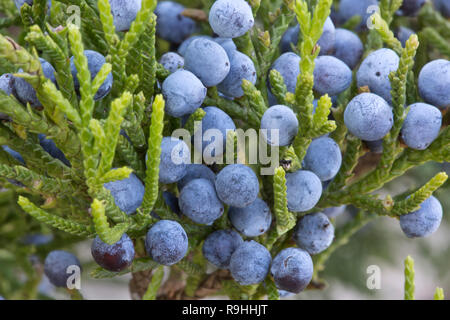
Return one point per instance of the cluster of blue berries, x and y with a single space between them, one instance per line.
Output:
204 195
17 86
191 68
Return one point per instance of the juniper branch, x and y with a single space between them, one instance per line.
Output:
153 156
104 231
154 284
59 60
149 64
435 39
55 221
311 30
413 202
409 278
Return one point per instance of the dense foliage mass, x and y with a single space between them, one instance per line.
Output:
93 95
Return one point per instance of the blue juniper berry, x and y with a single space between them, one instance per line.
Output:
253 220
292 270
250 263
220 245
166 242
231 18
199 202
237 185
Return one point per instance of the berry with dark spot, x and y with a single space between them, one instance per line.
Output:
253 220
304 190
171 25
172 61
204 55
314 233
374 72
292 270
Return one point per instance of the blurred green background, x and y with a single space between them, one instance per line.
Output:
380 243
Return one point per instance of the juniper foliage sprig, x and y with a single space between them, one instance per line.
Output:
153 155
436 40
439 294
104 231
74 200
154 284
311 28
139 264
391 147
388 8
269 40
386 34
272 291
409 278
285 220
278 87
59 58
413 202
62 224
428 17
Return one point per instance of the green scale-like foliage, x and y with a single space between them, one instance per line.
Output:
73 202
